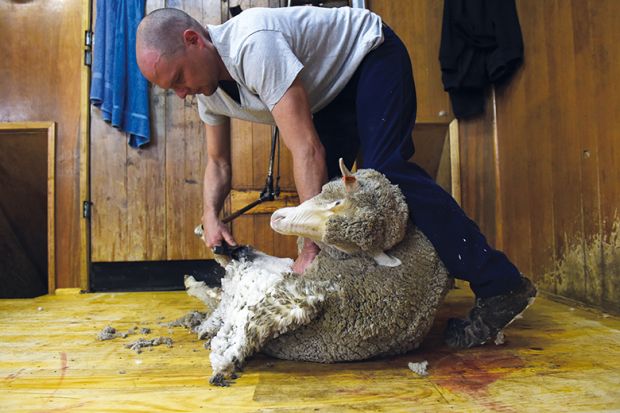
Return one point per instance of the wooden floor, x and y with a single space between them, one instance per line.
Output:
557 358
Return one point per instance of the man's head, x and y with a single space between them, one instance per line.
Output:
174 52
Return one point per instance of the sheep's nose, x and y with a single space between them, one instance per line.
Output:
276 217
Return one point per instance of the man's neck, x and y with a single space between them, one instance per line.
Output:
224 73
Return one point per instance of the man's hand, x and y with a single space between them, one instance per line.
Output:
308 252
215 231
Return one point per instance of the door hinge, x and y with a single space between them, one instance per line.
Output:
86 209
88 46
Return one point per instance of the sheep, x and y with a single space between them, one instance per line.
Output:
372 291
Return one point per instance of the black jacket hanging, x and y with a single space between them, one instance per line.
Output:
481 43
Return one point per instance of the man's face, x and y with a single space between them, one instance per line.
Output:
190 71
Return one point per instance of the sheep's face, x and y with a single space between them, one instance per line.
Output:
360 212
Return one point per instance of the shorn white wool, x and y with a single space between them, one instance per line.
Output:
245 284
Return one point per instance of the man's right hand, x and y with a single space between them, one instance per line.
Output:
215 231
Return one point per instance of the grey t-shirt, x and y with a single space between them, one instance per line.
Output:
265 49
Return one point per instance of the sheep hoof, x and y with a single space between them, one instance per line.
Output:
238 365
219 380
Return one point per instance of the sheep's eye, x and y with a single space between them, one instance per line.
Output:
335 204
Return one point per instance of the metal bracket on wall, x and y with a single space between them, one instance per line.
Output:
88 45
86 209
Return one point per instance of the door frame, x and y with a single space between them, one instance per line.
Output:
50 129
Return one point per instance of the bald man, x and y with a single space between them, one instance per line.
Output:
335 82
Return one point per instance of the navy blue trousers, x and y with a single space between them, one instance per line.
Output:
375 115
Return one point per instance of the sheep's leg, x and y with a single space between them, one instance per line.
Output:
198 289
229 348
210 327
284 308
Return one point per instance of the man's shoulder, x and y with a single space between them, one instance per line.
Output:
235 32
252 19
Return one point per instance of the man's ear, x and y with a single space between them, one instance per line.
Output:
192 37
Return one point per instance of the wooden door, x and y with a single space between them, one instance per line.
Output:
43 78
146 202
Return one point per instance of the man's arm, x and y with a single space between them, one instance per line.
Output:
293 117
216 183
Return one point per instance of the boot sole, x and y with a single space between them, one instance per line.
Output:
499 337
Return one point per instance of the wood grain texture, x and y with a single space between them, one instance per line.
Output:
42 83
478 175
418 24
84 149
148 201
239 199
429 140
558 161
552 358
250 146
51 208
185 164
108 191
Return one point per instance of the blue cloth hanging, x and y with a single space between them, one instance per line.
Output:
117 87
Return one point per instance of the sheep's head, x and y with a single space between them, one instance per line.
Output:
362 212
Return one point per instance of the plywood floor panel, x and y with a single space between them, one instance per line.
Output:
557 358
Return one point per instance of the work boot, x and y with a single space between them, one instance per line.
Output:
489 316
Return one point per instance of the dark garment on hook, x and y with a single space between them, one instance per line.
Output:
481 44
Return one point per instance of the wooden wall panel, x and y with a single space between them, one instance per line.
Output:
108 191
42 84
604 33
477 144
242 149
529 109
128 213
186 156
251 143
147 201
418 24
558 175
146 177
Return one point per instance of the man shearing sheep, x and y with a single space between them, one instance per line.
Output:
336 81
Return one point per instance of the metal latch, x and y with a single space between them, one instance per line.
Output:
88 43
86 209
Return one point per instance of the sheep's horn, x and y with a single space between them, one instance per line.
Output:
343 168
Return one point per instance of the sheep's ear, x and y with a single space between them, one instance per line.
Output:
386 260
350 182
